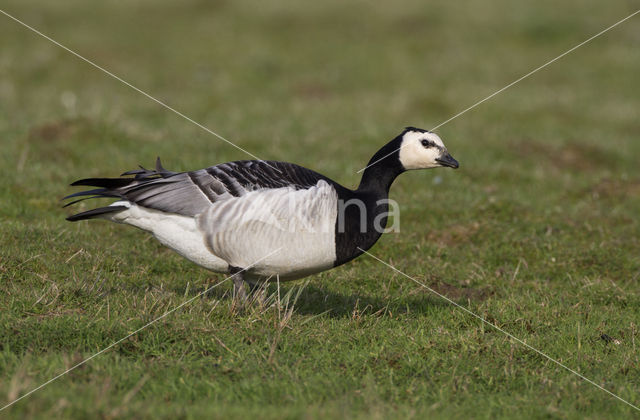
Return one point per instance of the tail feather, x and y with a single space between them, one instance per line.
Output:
79 200
91 214
103 182
98 192
143 173
115 188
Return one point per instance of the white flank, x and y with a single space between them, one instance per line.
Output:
172 230
300 222
240 230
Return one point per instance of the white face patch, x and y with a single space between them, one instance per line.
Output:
415 155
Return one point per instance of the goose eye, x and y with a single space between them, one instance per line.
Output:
426 143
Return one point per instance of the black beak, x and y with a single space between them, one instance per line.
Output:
447 160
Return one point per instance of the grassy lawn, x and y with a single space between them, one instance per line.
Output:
537 231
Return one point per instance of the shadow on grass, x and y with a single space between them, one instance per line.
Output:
316 300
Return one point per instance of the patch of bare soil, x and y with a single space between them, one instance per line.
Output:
455 234
55 130
312 91
616 188
460 293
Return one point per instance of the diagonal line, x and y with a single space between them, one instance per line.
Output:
131 86
500 329
115 343
516 81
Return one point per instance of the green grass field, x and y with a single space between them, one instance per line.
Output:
537 231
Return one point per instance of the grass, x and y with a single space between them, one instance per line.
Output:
537 232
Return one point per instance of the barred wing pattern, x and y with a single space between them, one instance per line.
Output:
191 193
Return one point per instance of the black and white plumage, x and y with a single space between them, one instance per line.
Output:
227 217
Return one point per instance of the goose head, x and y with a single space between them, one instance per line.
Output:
413 148
422 149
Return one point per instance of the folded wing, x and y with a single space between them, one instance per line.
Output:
192 193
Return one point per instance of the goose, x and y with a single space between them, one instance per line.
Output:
260 220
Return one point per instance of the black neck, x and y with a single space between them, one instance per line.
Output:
352 235
382 169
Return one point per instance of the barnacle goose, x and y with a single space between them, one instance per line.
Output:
228 216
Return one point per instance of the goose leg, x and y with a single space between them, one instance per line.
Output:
239 289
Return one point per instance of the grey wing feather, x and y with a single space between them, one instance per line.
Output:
191 193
